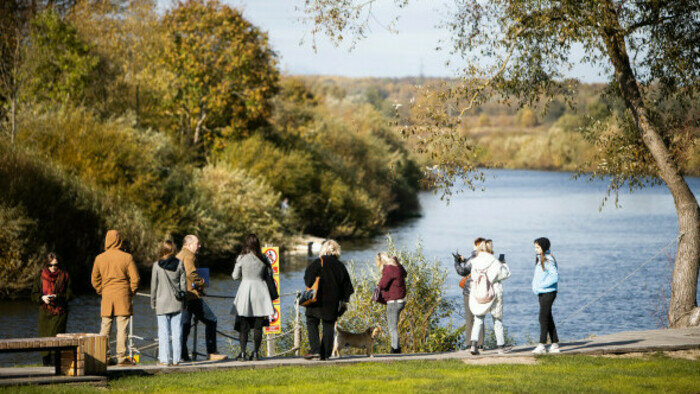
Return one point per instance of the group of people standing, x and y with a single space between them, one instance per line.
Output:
483 293
177 291
176 296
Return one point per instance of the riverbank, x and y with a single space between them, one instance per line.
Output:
576 369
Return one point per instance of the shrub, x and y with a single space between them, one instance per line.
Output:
484 120
229 204
528 118
62 213
425 324
20 256
141 167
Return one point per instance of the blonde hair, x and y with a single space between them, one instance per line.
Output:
382 259
485 246
330 248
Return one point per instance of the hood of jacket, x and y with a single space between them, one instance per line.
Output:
169 264
482 261
113 240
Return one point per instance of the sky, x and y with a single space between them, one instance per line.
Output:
409 52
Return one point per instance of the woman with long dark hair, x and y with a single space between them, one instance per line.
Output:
253 302
545 284
51 291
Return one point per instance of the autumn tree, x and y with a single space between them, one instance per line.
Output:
128 35
223 72
520 49
60 66
15 17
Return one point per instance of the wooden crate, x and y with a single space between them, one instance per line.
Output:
92 355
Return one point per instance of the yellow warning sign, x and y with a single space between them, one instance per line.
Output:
273 254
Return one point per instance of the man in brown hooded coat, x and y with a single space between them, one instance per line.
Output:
115 278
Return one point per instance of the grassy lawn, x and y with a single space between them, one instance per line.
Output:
551 374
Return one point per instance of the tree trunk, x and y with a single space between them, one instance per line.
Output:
13 119
683 310
199 126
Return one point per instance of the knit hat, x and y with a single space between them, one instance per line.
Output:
544 243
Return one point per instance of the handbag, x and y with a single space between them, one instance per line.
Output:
464 280
377 295
179 293
310 295
270 282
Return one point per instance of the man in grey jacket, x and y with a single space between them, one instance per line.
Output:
168 284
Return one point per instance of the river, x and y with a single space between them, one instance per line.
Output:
594 248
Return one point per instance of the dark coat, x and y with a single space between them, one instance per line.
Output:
334 286
50 325
393 284
464 268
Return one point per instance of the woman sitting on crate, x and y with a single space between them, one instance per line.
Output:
52 291
253 304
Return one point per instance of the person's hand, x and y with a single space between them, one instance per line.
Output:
46 298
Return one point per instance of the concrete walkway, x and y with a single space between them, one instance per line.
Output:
618 343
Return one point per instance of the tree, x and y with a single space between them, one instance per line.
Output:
60 66
223 72
15 16
128 36
518 49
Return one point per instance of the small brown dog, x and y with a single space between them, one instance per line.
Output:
365 340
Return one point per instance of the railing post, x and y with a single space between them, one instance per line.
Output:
131 337
270 347
297 326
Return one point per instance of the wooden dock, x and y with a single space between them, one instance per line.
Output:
618 343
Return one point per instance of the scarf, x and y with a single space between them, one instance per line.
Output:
53 283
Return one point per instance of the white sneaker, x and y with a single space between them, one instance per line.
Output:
540 349
554 348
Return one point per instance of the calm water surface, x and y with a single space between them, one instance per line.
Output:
594 250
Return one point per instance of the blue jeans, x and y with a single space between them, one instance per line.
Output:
203 313
169 350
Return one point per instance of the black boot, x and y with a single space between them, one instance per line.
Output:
254 356
473 350
242 356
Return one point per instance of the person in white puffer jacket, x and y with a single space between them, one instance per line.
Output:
496 271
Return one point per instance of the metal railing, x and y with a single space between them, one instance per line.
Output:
271 338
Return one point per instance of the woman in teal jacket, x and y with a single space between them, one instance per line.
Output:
545 284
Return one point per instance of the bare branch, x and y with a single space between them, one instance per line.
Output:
500 71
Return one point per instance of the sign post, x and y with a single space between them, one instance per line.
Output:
273 254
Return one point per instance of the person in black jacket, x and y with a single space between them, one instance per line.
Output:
334 292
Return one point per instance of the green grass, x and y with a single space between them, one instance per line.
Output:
551 374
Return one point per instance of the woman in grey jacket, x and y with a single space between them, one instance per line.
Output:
167 283
253 302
